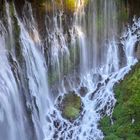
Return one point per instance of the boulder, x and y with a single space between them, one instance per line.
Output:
71 106
83 91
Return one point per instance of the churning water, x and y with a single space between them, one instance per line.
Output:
93 58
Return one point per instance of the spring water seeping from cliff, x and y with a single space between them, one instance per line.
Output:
79 51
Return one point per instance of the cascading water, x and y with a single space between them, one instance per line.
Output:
28 109
37 87
11 109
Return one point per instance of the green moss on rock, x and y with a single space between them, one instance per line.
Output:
67 65
71 106
126 114
16 32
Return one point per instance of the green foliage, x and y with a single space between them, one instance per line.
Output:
65 68
123 15
112 137
71 112
71 106
127 109
72 5
68 6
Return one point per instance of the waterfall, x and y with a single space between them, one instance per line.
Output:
85 53
11 109
37 84
100 98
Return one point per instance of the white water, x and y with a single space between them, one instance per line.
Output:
103 99
38 112
11 111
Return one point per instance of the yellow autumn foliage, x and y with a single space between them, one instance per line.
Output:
68 6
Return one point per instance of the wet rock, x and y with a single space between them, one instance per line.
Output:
66 83
57 124
137 50
83 91
96 77
71 106
121 54
98 87
48 119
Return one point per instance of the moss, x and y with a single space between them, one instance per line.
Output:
123 15
11 6
71 112
126 114
71 106
65 68
2 10
100 23
52 77
67 65
16 32
112 137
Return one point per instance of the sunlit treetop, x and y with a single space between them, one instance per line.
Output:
68 6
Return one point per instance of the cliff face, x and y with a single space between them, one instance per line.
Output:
134 7
46 8
138 50
125 122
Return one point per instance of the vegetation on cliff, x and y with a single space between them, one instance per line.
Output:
126 115
68 6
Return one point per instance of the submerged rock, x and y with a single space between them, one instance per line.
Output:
71 106
83 91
